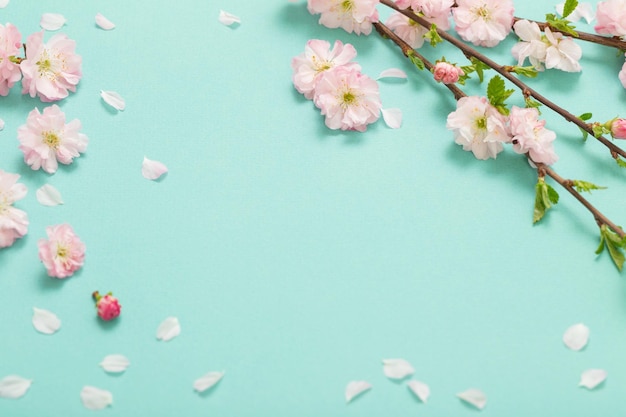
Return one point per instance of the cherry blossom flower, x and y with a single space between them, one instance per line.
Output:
351 15
562 52
552 49
447 73
10 44
409 31
108 306
611 17
435 11
62 253
531 45
52 69
618 128
348 99
483 22
13 222
46 139
478 127
317 58
530 135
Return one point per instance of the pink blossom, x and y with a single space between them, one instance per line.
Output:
611 17
409 31
478 127
46 139
447 73
351 15
108 306
529 135
10 44
483 22
618 128
622 75
316 59
63 253
13 222
562 52
552 49
50 69
531 45
348 99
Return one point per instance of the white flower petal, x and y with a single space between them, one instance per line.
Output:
49 196
14 386
115 363
52 21
95 398
392 73
45 321
576 336
583 10
113 99
207 381
104 23
397 368
475 397
591 378
152 170
168 329
1 124
420 389
356 388
392 117
4 3
228 19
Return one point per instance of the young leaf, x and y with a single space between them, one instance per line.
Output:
586 186
620 162
585 116
433 36
497 94
417 62
569 7
479 67
529 72
614 244
545 197
561 24
530 103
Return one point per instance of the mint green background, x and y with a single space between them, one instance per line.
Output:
296 257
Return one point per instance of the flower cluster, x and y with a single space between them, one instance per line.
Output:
13 221
483 22
351 15
435 11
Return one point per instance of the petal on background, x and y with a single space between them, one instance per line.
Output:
152 170
14 386
576 336
115 363
591 378
1 121
45 321
52 21
392 117
49 196
420 389
356 388
95 398
113 99
104 23
475 397
228 19
392 73
168 329
4 3
207 381
397 368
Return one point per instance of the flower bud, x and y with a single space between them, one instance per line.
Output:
108 306
447 73
618 128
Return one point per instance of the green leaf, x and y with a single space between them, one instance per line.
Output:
417 62
561 24
586 186
479 67
620 162
545 197
614 244
530 103
497 94
529 72
433 36
585 116
569 7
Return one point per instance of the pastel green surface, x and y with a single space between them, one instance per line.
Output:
297 258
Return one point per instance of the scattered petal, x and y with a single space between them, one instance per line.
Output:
113 99
52 21
4 3
576 336
228 19
168 329
45 321
14 386
1 124
104 23
115 363
475 397
152 170
95 398
49 196
392 117
420 389
591 378
397 368
207 381
356 388
392 73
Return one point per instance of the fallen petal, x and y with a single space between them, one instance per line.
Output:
52 21
207 381
152 170
475 397
113 99
228 19
14 386
420 389
4 3
49 196
45 321
356 388
95 398
392 73
397 368
591 378
392 117
168 329
104 23
576 336
115 363
1 124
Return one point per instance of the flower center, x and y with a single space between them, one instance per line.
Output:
348 98
62 252
51 139
483 12
50 64
347 5
481 123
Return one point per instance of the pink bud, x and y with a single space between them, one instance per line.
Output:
108 306
447 73
618 129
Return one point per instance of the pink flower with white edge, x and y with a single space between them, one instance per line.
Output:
622 75
478 127
483 22
62 253
611 18
447 73
618 128
50 69
531 44
10 44
317 58
348 99
562 52
108 306
409 31
351 15
13 222
435 11
46 139
529 135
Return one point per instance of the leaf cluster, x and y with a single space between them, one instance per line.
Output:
614 244
477 66
585 186
545 198
498 94
433 36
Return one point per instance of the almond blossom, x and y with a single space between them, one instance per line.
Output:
52 69
611 18
435 11
529 135
483 22
562 52
13 222
407 29
351 15
531 45
62 253
46 139
10 44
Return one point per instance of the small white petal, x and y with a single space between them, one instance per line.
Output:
397 368
1 124
52 21
95 398
228 19
356 388
475 397
168 329
45 321
115 363
392 117
392 73
49 196
104 23
591 378
152 170
207 381
4 3
113 99
576 336
420 389
14 386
